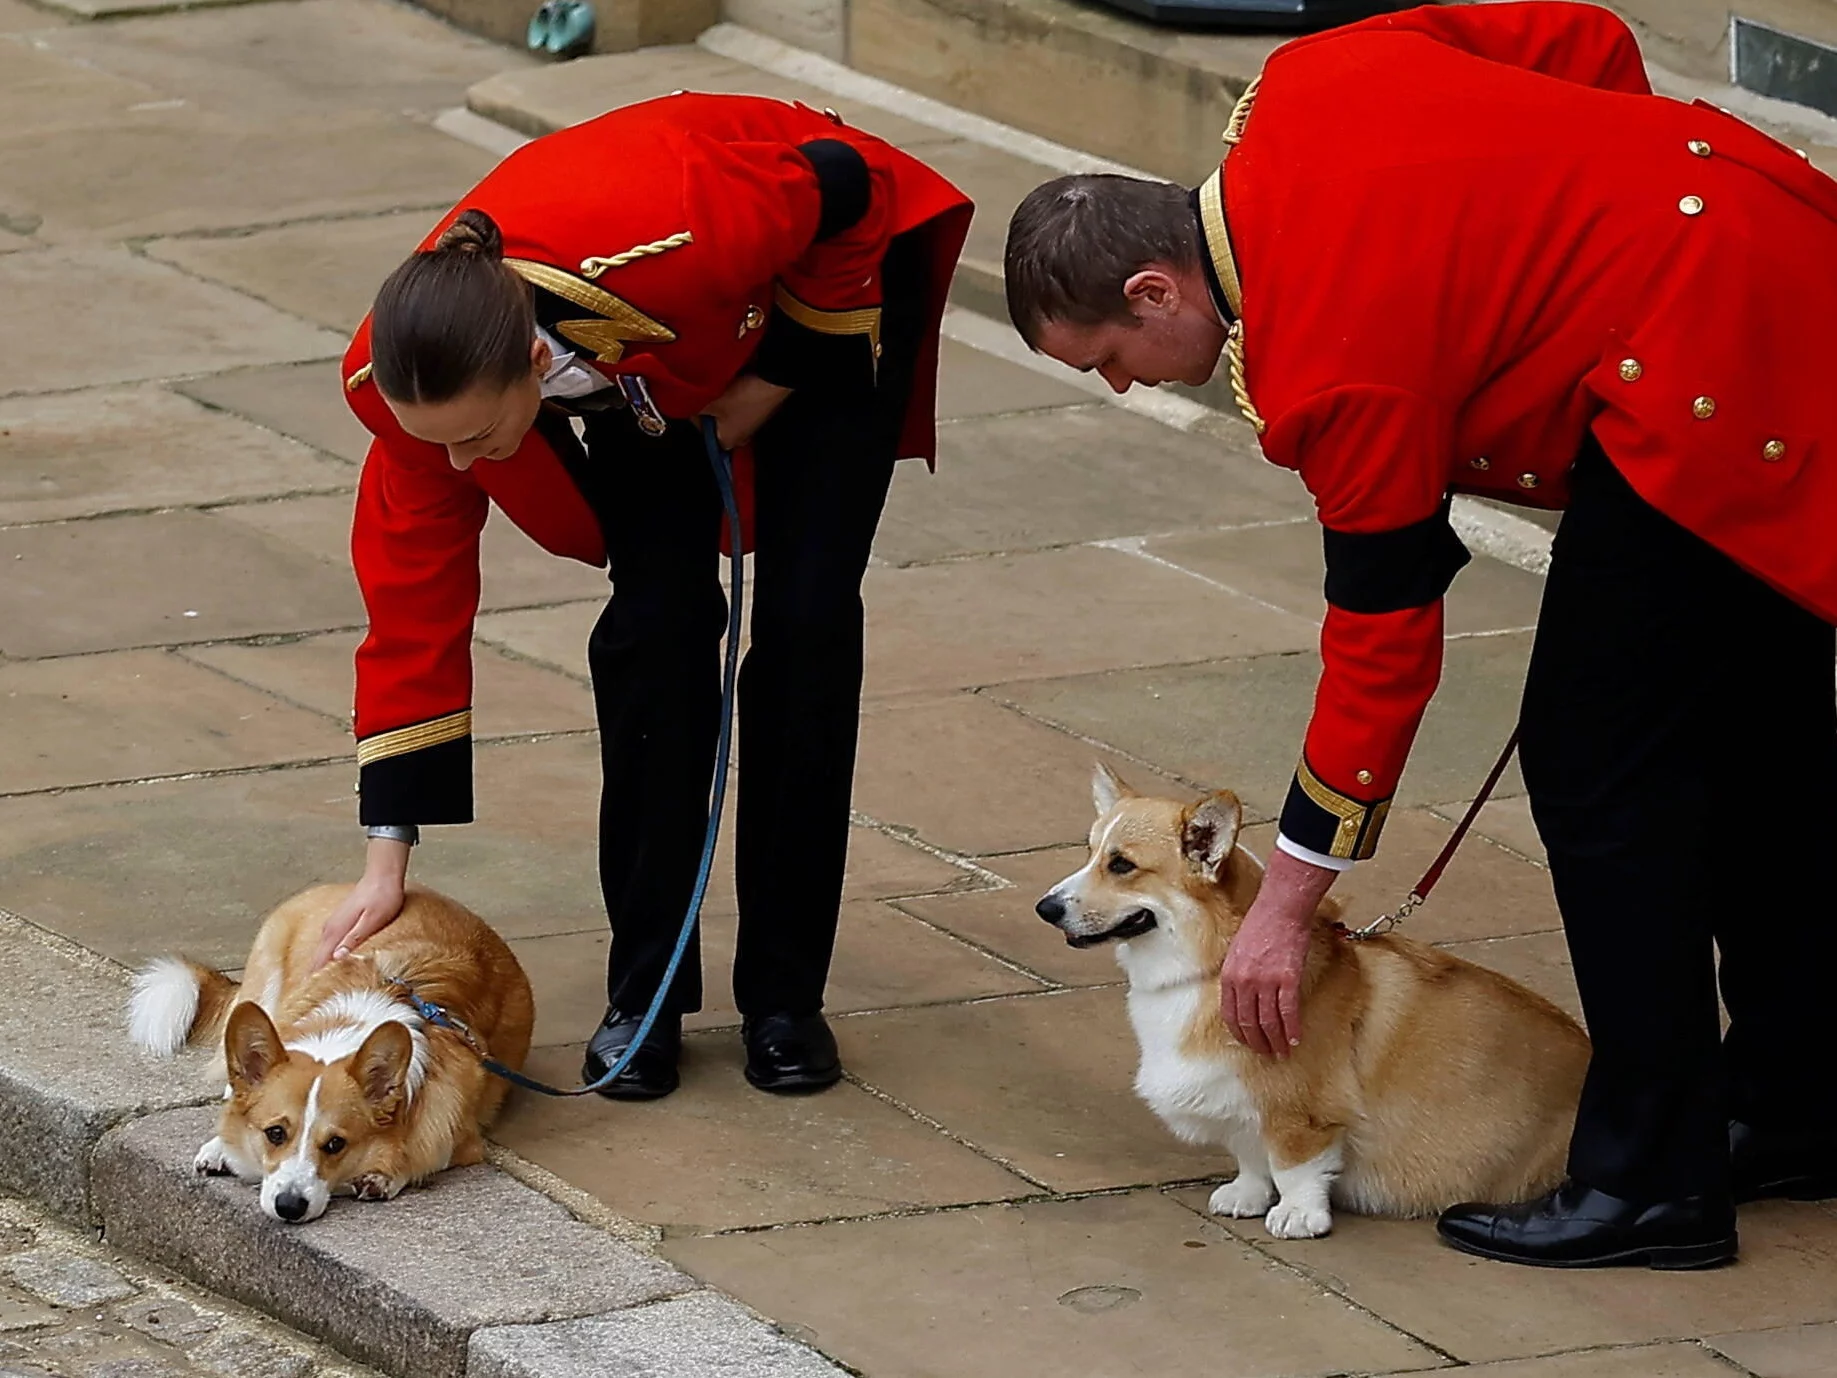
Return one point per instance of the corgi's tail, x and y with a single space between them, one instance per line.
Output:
177 1001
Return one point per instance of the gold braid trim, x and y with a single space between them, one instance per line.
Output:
417 737
593 267
1240 113
357 379
1240 390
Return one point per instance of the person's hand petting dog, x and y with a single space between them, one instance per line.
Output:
372 905
1260 984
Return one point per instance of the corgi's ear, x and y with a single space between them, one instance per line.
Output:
1107 791
251 1046
380 1067
1209 834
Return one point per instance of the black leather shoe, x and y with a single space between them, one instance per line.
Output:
790 1052
649 1075
1578 1227
1799 1165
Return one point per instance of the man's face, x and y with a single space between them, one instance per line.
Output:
1169 334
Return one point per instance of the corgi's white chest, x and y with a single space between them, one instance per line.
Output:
1198 1098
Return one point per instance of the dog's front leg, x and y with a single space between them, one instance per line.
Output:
1251 1192
216 1159
1304 1160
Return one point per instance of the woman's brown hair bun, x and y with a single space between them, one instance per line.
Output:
473 232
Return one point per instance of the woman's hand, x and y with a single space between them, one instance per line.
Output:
740 411
372 904
1260 985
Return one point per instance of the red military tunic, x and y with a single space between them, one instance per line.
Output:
683 239
1461 239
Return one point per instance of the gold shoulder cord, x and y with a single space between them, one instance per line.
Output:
1234 340
593 267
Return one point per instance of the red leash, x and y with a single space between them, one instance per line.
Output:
1384 923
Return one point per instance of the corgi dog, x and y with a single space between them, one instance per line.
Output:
334 1082
1420 1081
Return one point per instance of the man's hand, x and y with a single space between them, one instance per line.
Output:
372 904
1260 985
740 411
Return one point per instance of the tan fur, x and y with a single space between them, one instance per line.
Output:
393 1134
1438 1080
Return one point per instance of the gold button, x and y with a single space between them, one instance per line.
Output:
833 117
1773 451
679 91
1703 408
1631 370
1698 147
1482 463
753 319
1528 480
1691 205
876 349
1364 777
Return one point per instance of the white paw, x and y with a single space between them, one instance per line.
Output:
374 1186
1243 1198
1295 1220
213 1160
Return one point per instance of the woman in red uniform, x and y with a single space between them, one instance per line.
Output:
1465 249
549 350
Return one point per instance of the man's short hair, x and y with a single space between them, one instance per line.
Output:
1075 241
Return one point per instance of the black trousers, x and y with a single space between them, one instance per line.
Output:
1679 748
822 467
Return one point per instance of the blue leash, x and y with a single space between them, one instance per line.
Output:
436 1015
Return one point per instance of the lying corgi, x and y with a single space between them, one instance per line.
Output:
335 1083
1420 1081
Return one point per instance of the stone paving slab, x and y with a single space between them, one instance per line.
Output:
348 163
1646 1361
1044 1083
1239 723
161 579
1071 474
719 1155
304 401
90 719
699 1336
122 318
1054 613
921 761
972 384
1476 1311
260 61
326 273
539 100
80 454
1103 1286
883 959
1800 1351
62 1086
17 16
486 1251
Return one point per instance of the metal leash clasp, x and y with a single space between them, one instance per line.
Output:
1386 923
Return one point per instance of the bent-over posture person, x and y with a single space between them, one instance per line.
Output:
1467 250
729 256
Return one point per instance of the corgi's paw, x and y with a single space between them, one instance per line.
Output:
377 1186
213 1160
1243 1197
1298 1220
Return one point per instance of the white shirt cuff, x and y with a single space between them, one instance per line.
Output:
1313 858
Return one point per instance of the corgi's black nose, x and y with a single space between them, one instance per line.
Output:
1051 908
290 1206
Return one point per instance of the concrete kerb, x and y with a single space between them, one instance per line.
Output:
103 1136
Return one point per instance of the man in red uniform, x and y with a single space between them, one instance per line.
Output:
730 256
1467 250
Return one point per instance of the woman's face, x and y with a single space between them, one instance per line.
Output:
482 422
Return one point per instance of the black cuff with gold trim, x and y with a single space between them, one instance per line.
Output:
417 774
805 346
1323 820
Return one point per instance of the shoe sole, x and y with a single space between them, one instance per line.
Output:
804 1083
1669 1258
1790 1189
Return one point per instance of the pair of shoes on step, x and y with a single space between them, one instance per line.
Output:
785 1053
1576 1226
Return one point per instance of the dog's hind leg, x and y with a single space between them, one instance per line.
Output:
1252 1191
1304 1161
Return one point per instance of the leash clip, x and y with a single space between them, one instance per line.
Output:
1384 923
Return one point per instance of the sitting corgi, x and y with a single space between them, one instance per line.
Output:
1421 1080
335 1083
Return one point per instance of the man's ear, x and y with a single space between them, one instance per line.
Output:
540 355
251 1045
380 1067
1107 790
1209 834
1152 289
